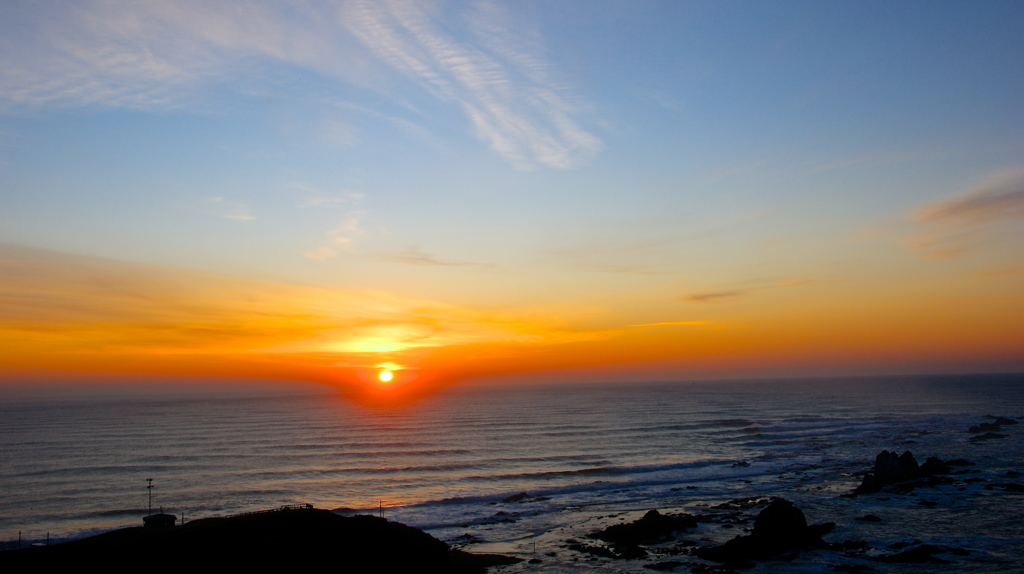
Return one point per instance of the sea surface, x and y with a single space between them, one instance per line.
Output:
587 456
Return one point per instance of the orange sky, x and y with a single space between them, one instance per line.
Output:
66 317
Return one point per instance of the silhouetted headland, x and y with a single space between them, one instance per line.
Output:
296 536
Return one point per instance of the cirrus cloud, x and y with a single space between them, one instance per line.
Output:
479 60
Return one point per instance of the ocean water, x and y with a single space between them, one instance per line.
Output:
588 456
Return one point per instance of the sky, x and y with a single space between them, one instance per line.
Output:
458 192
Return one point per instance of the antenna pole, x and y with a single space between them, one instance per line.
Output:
150 489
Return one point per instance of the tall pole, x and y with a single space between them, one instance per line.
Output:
150 489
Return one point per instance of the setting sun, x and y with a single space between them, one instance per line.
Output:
385 376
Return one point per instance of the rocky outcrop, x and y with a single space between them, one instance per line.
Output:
934 466
779 528
987 431
653 528
891 468
523 497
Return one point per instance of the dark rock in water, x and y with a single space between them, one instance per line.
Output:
889 468
669 565
1002 420
594 550
524 497
988 435
653 528
261 540
934 466
916 555
779 522
741 463
959 462
996 425
868 518
1007 487
779 528
901 470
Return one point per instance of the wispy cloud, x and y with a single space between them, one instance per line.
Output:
413 256
713 296
316 197
670 323
228 209
158 55
956 227
340 238
1000 197
745 289
147 55
497 76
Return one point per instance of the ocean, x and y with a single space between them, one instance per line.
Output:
586 456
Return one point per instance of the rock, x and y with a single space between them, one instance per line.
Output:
889 468
996 425
959 462
653 528
916 555
669 565
522 496
593 550
1007 487
779 522
933 466
779 528
988 435
868 518
1002 420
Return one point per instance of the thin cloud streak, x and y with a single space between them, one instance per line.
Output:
999 198
713 296
504 89
340 238
413 256
670 323
166 54
747 289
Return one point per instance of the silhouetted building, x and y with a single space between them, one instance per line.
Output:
160 520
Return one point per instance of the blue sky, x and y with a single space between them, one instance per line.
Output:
601 161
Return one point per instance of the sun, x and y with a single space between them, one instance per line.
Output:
385 376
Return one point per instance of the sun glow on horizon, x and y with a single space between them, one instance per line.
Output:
385 376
